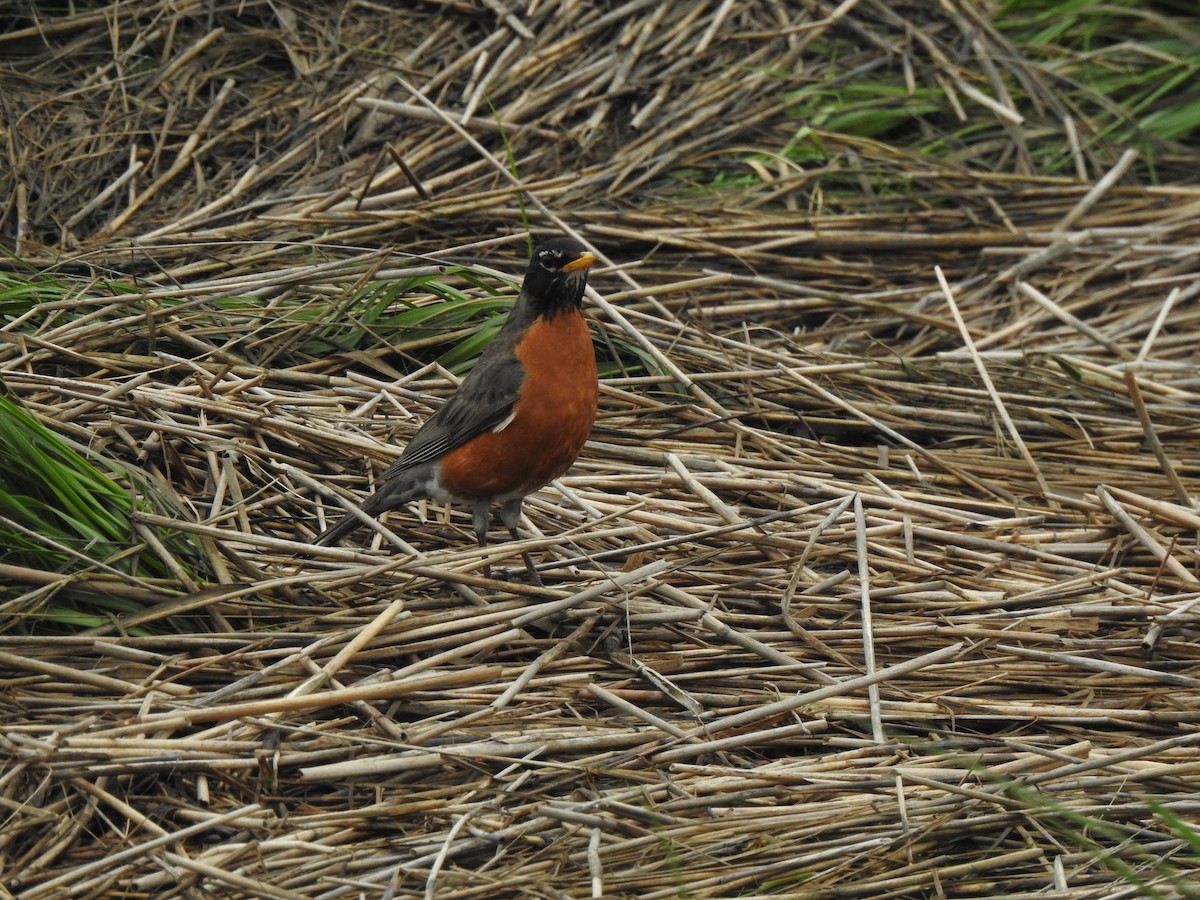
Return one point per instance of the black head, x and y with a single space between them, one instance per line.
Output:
557 275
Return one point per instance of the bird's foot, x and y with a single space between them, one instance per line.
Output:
516 576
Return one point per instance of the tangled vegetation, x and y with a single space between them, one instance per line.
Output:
877 578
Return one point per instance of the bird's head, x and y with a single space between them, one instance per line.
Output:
557 275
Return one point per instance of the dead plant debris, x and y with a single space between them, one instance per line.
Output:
869 584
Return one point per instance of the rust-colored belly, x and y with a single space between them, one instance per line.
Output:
550 424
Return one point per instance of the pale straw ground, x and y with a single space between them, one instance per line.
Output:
876 579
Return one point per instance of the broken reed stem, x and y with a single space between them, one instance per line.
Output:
864 586
1155 445
1013 432
245 339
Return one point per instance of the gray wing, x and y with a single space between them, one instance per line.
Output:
486 398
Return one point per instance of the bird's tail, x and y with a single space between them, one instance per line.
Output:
344 526
390 495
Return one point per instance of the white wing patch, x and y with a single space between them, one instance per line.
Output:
500 426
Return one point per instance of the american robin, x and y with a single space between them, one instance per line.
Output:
521 416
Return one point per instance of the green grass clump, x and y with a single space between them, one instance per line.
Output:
71 512
1124 73
876 110
1128 69
453 330
386 314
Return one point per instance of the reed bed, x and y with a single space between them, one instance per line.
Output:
878 577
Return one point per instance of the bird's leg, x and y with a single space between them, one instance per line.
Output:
510 515
481 515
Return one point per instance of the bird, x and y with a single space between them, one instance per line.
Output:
521 416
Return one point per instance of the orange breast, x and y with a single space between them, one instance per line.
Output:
552 419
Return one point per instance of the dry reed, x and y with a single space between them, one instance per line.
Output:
878 577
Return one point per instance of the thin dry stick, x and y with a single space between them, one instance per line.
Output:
1156 447
995 106
1159 321
1178 569
618 581
1013 432
100 199
460 822
723 631
1160 509
214 875
1072 133
868 635
1113 758
384 691
114 861
585 741
182 160
1074 321
890 432
422 736
595 863
631 709
347 653
781 707
1101 187
71 675
1103 665
713 27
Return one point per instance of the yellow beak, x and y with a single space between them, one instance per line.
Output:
583 261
